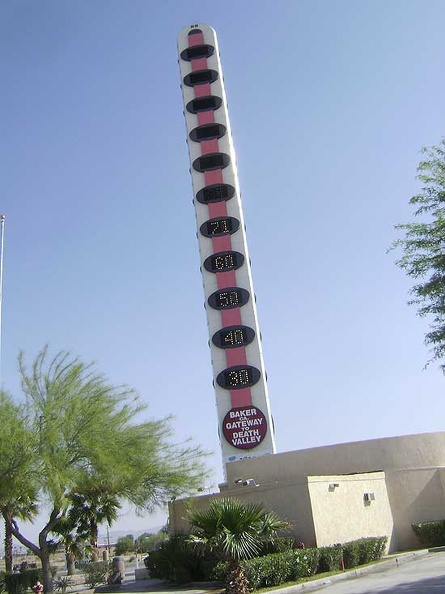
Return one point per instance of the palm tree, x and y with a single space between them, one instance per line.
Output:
235 530
23 509
88 509
74 544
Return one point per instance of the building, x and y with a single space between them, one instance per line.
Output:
342 492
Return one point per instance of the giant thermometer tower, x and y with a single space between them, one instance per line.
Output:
245 422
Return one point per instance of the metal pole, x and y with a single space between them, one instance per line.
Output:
2 234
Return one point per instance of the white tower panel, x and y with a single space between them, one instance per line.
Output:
242 400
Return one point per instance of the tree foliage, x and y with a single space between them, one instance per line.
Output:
124 544
81 433
149 542
18 485
423 248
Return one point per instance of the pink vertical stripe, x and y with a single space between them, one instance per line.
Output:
202 90
209 146
196 39
222 244
217 209
231 317
213 177
236 357
205 117
241 397
226 279
199 64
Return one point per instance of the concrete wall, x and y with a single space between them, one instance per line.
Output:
290 501
296 486
340 511
416 495
407 451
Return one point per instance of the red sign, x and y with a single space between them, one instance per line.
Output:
244 427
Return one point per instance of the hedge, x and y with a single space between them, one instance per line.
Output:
330 559
17 583
432 534
176 561
362 551
276 569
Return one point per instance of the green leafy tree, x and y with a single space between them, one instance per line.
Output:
125 544
235 530
149 542
18 484
423 248
82 431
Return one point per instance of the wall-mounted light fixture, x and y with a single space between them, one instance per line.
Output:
250 482
333 486
368 497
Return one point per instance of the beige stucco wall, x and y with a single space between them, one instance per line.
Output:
293 484
340 512
290 501
407 451
416 495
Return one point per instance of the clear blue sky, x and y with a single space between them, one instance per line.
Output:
330 104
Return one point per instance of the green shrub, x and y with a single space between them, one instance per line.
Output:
330 559
63 583
178 561
96 573
432 534
272 570
279 544
17 583
362 551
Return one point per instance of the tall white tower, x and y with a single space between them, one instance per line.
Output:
245 422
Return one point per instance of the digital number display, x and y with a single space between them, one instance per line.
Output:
233 337
241 377
223 261
215 193
238 377
228 298
219 226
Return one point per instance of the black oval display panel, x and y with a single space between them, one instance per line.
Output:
207 132
223 261
200 77
215 193
233 337
197 51
219 226
238 377
206 103
229 298
211 162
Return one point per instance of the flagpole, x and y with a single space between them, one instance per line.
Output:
2 234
